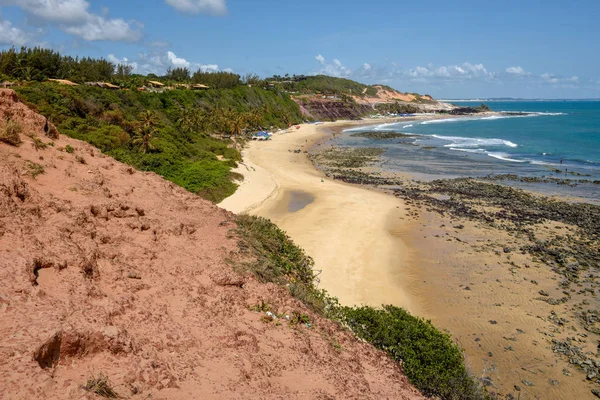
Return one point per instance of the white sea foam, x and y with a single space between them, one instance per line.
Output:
440 121
537 162
459 141
504 156
407 126
386 127
480 151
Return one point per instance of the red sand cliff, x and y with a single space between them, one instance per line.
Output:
107 270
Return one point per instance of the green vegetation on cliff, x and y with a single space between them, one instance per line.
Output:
430 359
323 84
177 134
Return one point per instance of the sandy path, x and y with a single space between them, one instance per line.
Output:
355 235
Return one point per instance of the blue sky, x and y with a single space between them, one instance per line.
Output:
483 48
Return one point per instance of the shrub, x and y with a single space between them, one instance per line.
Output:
69 149
430 359
279 260
10 133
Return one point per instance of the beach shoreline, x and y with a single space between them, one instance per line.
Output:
373 247
355 235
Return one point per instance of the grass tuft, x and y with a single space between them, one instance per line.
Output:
35 169
10 133
39 144
100 386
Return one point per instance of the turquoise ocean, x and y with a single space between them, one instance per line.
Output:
553 139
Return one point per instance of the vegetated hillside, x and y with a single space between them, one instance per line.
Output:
177 134
331 98
117 283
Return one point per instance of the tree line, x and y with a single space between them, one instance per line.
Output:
40 64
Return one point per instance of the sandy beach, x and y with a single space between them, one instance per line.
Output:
356 236
374 248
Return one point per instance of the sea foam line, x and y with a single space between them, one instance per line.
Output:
459 141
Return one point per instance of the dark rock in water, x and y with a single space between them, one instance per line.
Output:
507 250
383 135
596 392
467 288
491 321
553 382
543 293
527 383
517 388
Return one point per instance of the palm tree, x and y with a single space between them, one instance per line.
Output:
144 134
188 121
238 124
143 140
148 119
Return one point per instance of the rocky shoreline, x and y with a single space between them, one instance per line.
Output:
558 237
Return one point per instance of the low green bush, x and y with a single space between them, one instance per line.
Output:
429 357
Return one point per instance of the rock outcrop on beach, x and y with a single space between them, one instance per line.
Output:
117 282
333 110
353 107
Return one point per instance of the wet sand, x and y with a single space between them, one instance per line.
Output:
374 248
354 234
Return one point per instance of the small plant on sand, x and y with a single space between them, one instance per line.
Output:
38 144
260 307
35 169
100 386
10 133
298 318
69 149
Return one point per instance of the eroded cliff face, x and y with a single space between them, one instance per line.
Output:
108 271
333 110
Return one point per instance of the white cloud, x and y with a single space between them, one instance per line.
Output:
560 81
212 7
74 17
336 69
122 61
210 68
519 71
58 11
176 61
158 63
366 67
98 28
450 72
11 35
550 78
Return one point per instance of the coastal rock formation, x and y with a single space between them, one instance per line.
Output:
333 110
118 282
